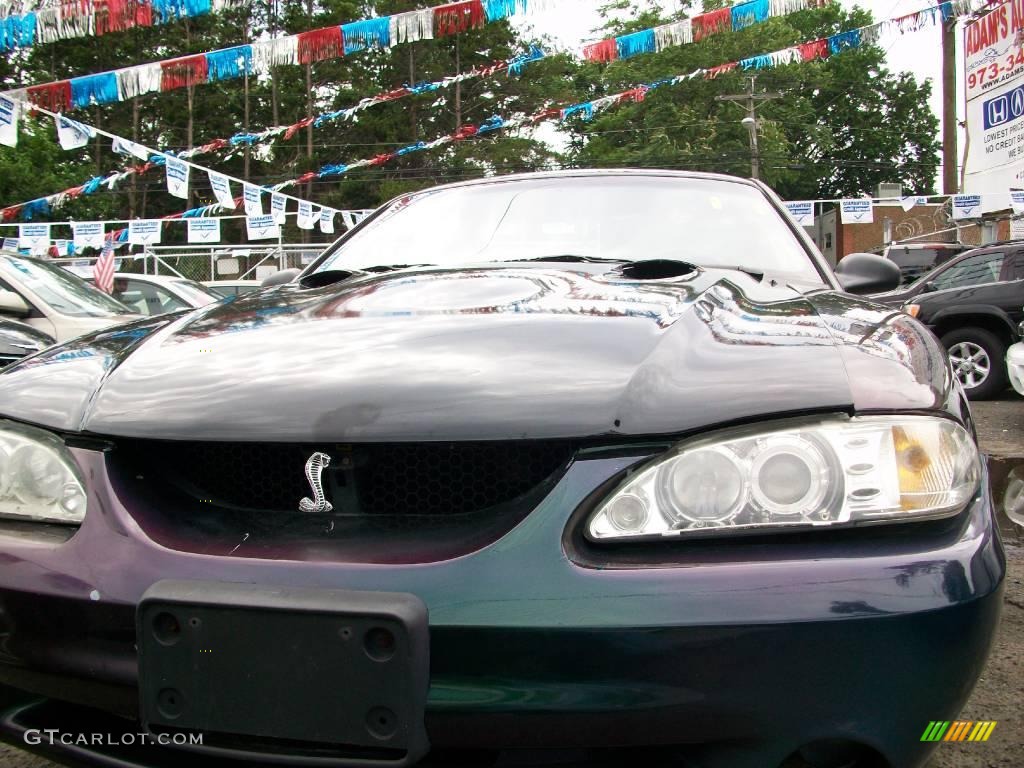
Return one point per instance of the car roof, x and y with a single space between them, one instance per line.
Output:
927 245
617 173
230 282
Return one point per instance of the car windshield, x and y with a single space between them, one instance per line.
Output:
198 294
66 293
707 222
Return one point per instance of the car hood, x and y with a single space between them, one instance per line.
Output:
480 353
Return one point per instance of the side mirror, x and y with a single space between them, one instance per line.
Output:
12 304
280 278
863 273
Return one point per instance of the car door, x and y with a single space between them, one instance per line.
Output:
36 318
1013 276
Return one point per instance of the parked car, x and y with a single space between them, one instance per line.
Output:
53 300
549 476
975 304
232 287
1015 362
18 340
159 294
915 259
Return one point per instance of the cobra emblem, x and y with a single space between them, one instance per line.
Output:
314 468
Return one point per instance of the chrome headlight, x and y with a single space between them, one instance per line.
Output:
38 478
805 475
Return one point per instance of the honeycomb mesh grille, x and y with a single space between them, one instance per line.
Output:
382 479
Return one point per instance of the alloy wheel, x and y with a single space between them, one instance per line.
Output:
970 363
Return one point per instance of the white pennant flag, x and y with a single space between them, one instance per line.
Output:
177 178
144 231
278 207
907 203
253 200
966 206
204 230
71 134
327 221
221 189
349 219
88 234
262 227
856 211
1017 201
9 110
35 237
130 148
306 218
802 212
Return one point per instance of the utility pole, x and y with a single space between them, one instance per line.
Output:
753 101
949 156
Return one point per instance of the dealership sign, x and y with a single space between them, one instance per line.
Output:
994 86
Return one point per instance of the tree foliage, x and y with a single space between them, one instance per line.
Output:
839 127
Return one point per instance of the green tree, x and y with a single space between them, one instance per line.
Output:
841 126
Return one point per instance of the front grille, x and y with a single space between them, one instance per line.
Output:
393 479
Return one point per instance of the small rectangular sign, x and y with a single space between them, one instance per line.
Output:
856 211
204 230
966 206
262 228
88 234
802 212
34 236
144 231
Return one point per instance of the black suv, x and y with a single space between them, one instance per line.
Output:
974 303
915 259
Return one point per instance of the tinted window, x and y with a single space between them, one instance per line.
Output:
1017 270
704 221
914 257
974 270
146 298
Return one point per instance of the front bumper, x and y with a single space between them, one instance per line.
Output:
1015 366
737 658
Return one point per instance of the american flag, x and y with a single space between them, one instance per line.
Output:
103 269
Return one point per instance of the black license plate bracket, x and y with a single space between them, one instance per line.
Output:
322 667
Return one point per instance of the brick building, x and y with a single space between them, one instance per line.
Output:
836 239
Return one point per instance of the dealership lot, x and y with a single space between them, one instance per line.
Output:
1000 690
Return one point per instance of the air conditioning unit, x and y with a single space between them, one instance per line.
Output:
889 191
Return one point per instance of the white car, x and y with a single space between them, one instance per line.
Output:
54 301
157 294
1015 363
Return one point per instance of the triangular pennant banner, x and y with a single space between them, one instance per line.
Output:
327 221
306 219
278 207
71 134
253 200
221 189
9 112
177 177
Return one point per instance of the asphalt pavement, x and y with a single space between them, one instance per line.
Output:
1000 691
